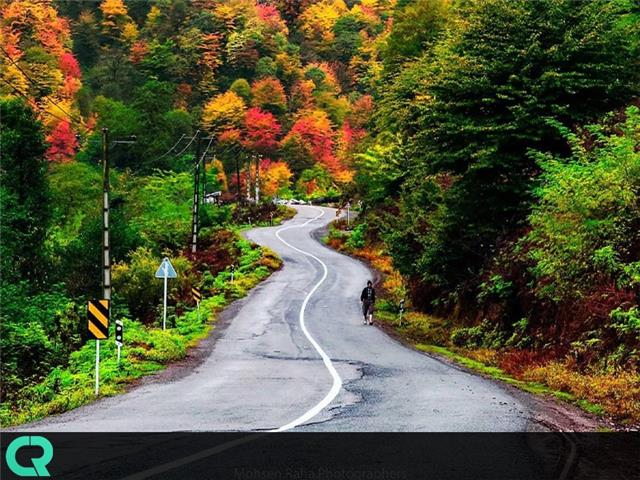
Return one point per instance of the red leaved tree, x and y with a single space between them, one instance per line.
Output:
62 142
261 131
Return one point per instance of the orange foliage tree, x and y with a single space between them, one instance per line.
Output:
223 112
275 177
52 85
268 94
62 142
313 134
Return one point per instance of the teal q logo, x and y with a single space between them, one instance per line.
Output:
39 468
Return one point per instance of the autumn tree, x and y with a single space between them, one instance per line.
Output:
223 112
268 94
317 23
262 131
241 87
62 142
116 23
37 63
310 141
275 176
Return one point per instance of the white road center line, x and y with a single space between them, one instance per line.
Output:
335 388
337 381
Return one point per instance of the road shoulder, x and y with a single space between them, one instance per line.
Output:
546 411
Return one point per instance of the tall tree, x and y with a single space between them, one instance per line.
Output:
24 206
472 108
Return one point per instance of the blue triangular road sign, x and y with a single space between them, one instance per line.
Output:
166 270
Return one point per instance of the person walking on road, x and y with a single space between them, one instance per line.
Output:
368 299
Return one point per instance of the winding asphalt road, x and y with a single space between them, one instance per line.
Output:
297 357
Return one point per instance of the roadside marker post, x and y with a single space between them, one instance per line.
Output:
119 335
233 268
197 296
98 313
401 309
165 271
348 213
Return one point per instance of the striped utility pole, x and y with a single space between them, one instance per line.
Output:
249 180
196 199
200 157
106 240
106 253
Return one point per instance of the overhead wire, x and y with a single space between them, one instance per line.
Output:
188 144
170 150
202 156
71 117
30 99
206 150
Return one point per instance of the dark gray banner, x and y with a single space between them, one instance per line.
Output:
328 456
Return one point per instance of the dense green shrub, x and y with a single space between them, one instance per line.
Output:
586 227
37 332
356 239
160 207
467 336
483 335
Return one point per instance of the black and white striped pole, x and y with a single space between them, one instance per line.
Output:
106 239
196 199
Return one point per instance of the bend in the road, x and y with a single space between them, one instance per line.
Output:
337 381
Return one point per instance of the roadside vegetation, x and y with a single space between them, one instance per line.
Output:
47 362
492 144
500 191
147 347
512 356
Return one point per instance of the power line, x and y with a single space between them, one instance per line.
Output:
6 54
206 149
201 157
30 99
188 144
170 150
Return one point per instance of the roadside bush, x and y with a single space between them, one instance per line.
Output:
251 213
37 333
357 238
270 259
496 288
483 335
135 283
159 207
626 321
467 337
423 328
215 215
217 250
618 394
585 227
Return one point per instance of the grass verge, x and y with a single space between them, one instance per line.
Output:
146 350
614 394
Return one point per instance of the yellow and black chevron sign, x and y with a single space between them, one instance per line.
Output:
98 315
197 294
